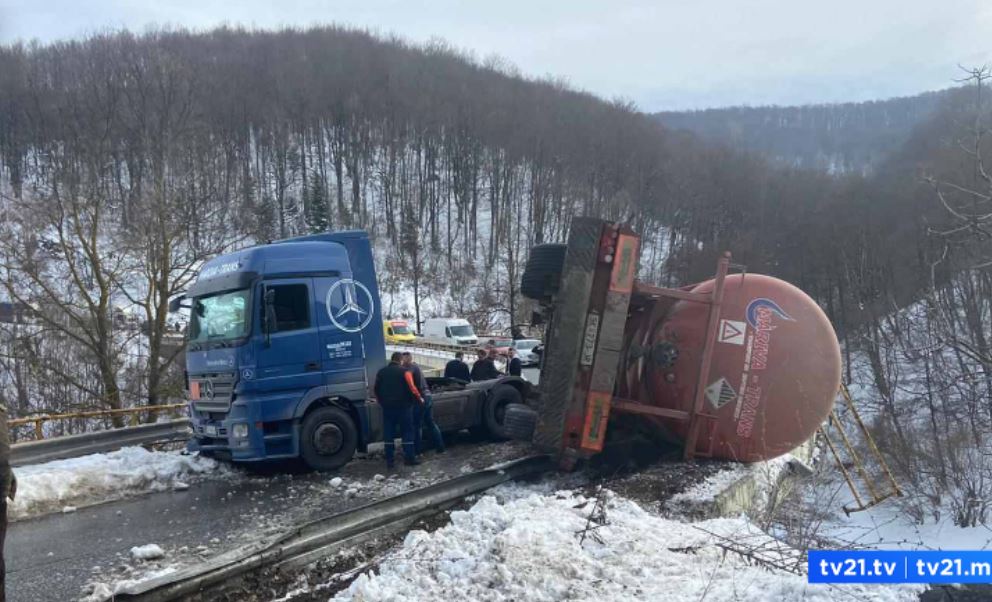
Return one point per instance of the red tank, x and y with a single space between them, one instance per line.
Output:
775 371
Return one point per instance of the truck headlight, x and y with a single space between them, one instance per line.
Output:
240 430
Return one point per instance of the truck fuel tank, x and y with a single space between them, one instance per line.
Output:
774 371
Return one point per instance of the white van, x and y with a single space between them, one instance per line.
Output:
450 331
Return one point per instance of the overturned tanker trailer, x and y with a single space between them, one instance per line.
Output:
742 367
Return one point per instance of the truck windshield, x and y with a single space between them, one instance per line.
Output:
461 331
219 317
401 329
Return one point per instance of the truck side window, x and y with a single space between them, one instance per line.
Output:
447 332
292 307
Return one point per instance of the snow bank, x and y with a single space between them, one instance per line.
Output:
50 487
530 548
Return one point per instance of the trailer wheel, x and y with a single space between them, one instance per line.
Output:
328 438
542 274
520 422
495 418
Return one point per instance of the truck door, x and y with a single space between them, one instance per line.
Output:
346 316
291 360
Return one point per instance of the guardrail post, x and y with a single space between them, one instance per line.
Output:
38 434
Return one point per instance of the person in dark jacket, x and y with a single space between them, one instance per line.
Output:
8 488
514 367
484 368
457 368
397 394
423 415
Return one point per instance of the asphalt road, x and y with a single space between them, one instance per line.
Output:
55 557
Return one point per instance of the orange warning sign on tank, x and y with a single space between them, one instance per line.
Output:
624 264
597 414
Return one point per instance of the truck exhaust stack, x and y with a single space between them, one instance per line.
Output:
742 367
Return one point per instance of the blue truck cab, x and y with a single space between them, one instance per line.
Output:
284 341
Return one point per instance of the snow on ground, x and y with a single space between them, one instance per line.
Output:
530 546
101 592
149 551
97 478
766 475
887 526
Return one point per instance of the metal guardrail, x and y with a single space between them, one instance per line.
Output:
71 446
134 413
325 536
438 346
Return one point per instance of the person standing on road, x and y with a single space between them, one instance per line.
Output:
457 368
423 414
397 394
8 488
484 368
514 367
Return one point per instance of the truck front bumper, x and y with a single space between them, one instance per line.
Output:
240 440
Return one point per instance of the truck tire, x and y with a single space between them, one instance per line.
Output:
328 438
495 410
520 422
542 274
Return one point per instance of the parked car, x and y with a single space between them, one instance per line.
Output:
500 344
525 351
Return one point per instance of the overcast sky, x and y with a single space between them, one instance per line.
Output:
662 54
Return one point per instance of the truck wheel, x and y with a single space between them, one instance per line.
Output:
495 417
328 438
542 274
479 432
520 422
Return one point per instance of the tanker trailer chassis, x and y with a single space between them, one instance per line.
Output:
687 364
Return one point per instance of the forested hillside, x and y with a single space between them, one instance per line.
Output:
127 160
853 137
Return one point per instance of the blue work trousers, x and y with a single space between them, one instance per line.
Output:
402 416
423 418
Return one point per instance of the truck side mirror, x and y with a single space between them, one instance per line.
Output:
176 304
269 320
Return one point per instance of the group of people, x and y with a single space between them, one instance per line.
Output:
407 402
484 367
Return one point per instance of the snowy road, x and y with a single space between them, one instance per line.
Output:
55 557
